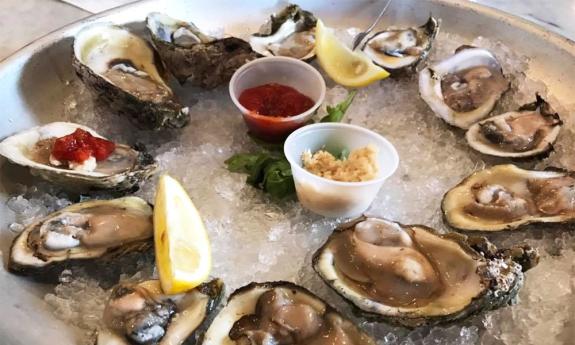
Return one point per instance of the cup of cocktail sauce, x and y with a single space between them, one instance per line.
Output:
276 95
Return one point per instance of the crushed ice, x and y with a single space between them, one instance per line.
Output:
256 239
33 203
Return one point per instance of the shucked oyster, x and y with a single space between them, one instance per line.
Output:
281 313
464 88
91 230
123 169
411 275
191 55
505 197
530 131
143 314
290 33
123 70
397 49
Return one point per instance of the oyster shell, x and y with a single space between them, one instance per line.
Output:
191 55
290 33
124 71
410 275
87 231
398 49
464 88
506 197
530 131
299 317
142 314
124 169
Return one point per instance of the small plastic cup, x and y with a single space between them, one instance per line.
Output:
334 198
282 70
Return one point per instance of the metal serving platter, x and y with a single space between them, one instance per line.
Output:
35 81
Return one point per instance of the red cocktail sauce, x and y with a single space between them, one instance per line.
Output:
81 145
275 100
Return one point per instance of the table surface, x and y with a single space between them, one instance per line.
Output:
23 21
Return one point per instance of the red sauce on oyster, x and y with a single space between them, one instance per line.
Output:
80 146
275 100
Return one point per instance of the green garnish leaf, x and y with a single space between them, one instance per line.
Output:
242 162
343 155
278 179
256 174
337 112
338 152
266 171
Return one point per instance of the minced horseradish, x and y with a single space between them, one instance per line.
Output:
361 165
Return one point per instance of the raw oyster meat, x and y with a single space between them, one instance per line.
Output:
464 88
123 169
83 232
506 197
191 55
126 74
398 49
530 131
142 314
290 32
281 313
410 275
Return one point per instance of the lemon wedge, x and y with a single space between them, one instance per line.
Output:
183 253
346 67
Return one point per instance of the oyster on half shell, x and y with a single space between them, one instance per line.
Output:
464 88
190 55
83 232
530 131
142 314
506 197
397 49
125 168
124 71
281 313
410 275
290 33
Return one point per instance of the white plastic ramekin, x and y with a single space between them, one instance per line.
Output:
334 198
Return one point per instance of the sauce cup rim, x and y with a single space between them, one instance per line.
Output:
283 60
382 141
